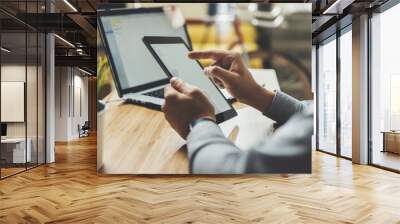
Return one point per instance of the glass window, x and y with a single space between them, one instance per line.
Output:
22 101
385 89
327 96
31 97
346 93
14 153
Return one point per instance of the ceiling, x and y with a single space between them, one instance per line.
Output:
76 21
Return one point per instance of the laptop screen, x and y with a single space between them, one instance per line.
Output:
134 65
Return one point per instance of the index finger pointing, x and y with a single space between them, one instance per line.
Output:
208 54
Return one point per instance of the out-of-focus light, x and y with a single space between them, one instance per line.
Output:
70 5
335 7
224 18
277 22
84 71
65 41
252 7
5 50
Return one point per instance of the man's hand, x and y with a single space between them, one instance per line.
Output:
185 103
230 71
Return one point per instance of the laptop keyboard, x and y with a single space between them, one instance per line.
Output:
159 93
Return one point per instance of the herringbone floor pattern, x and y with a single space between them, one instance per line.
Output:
70 191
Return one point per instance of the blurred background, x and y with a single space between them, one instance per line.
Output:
276 36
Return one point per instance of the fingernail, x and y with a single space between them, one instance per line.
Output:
207 69
174 81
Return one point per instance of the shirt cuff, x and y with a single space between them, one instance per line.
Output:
283 107
202 131
210 152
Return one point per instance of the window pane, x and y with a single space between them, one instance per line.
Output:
385 89
346 94
327 96
23 82
31 97
14 153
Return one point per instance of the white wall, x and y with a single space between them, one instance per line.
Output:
12 73
70 83
34 125
62 81
79 117
16 73
12 101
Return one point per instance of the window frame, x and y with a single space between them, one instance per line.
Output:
380 9
27 29
333 37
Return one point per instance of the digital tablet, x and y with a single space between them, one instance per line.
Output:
172 55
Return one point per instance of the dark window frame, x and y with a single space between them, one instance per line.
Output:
29 29
333 37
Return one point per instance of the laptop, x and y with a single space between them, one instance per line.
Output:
137 76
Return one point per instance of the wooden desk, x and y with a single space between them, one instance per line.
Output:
16 154
391 141
135 140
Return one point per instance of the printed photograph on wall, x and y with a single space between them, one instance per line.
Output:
204 88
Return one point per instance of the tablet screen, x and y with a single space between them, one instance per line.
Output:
174 56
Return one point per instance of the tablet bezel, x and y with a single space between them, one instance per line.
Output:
128 11
149 40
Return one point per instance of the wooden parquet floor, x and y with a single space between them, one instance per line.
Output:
70 191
